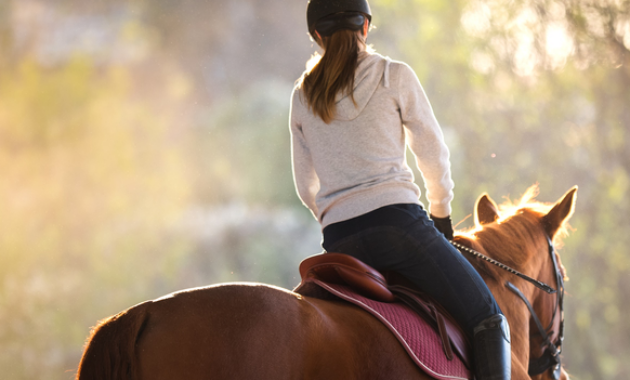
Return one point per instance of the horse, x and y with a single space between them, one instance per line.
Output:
258 331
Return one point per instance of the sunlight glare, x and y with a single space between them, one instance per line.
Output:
482 62
559 45
622 28
476 19
525 57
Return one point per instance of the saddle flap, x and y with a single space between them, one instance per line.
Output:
338 268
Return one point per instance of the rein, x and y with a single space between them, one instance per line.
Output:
538 284
550 358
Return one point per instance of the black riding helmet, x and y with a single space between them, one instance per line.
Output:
328 16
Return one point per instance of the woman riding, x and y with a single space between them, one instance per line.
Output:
352 115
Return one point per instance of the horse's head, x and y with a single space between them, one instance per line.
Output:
522 236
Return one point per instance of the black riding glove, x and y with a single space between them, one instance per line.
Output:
444 225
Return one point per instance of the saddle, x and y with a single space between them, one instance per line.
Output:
390 297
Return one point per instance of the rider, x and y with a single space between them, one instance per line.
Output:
352 115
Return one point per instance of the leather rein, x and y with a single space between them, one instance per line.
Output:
550 358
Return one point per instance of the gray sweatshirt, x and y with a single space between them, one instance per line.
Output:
356 163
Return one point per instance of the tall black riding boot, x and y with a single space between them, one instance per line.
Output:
492 349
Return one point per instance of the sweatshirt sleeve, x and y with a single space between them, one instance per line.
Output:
426 142
304 175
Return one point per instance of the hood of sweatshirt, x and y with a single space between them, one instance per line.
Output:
371 71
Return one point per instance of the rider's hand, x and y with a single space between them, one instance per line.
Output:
444 225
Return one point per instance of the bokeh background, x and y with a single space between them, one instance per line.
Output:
144 148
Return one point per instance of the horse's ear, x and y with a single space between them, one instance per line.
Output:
486 211
560 212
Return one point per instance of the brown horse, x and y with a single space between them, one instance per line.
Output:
256 331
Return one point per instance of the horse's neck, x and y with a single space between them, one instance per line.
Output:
512 306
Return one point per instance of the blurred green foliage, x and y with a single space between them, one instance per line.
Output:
519 107
144 148
90 179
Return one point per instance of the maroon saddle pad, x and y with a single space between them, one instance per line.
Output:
429 337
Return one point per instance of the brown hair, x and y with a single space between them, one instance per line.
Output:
334 72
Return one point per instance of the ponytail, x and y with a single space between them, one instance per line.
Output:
333 73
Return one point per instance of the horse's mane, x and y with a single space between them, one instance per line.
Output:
518 229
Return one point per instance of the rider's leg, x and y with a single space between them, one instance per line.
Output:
415 249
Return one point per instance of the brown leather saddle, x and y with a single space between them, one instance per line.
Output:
337 268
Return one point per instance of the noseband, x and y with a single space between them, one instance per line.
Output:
550 358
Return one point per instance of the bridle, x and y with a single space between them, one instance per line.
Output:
550 358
